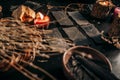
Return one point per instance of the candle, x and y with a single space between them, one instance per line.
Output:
41 20
116 11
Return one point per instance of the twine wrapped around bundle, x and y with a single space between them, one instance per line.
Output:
101 9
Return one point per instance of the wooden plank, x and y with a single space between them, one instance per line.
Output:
76 36
62 18
88 28
55 33
57 42
78 18
92 32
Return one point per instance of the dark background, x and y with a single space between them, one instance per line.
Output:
6 4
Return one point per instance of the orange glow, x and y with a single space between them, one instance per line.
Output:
104 3
41 20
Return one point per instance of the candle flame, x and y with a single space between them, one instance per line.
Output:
41 16
104 3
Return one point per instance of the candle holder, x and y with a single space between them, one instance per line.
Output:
101 9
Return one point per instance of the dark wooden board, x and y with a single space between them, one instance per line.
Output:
62 18
88 27
76 36
55 33
78 18
92 32
57 42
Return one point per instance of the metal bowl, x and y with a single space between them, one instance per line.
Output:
88 53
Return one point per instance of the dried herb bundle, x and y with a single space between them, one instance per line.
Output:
19 45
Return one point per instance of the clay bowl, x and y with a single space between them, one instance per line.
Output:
87 51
